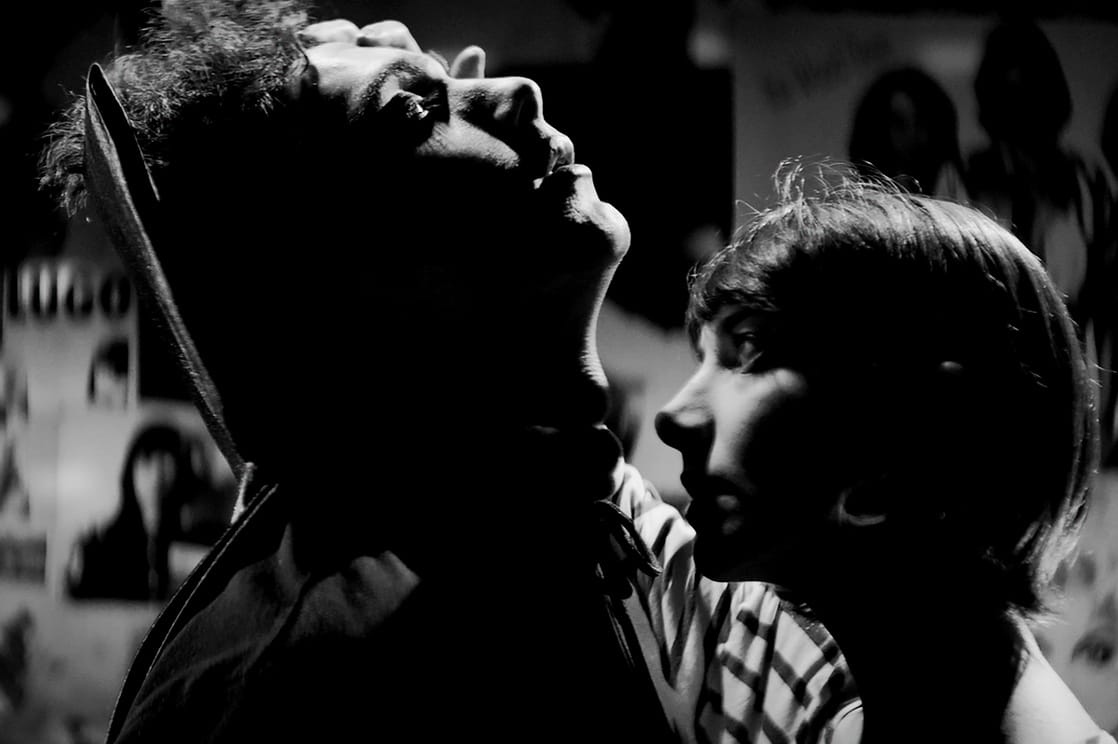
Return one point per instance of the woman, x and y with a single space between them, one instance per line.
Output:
892 420
128 557
905 126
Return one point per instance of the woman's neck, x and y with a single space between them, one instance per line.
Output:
933 657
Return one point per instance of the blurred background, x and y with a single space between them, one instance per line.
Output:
683 109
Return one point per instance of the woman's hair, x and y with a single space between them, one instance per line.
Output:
871 290
198 86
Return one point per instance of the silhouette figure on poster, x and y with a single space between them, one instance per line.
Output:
1050 196
127 558
905 126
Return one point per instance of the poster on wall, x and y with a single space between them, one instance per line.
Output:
107 500
69 335
143 494
136 498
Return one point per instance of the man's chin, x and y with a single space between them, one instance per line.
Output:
596 231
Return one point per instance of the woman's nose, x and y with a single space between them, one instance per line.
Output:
685 421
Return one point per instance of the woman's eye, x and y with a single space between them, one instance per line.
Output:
748 349
741 349
1095 650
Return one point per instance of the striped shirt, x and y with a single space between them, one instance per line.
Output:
738 663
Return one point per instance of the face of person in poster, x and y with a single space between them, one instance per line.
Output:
1022 93
108 375
109 388
907 134
905 126
154 475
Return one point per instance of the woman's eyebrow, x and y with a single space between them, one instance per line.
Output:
738 315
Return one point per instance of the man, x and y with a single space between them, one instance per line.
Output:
431 565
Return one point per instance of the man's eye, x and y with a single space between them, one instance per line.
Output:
406 105
413 113
413 106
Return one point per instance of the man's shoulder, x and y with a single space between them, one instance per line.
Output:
256 628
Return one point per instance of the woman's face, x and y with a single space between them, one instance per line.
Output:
754 451
1082 643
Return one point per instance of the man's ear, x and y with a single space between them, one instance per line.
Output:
470 63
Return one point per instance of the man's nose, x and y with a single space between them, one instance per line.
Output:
510 103
685 421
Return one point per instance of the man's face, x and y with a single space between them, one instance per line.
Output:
449 236
461 159
746 427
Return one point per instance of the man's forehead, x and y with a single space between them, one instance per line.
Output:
357 73
386 33
339 52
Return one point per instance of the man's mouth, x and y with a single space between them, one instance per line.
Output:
560 153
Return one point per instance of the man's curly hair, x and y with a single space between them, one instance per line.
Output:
204 74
